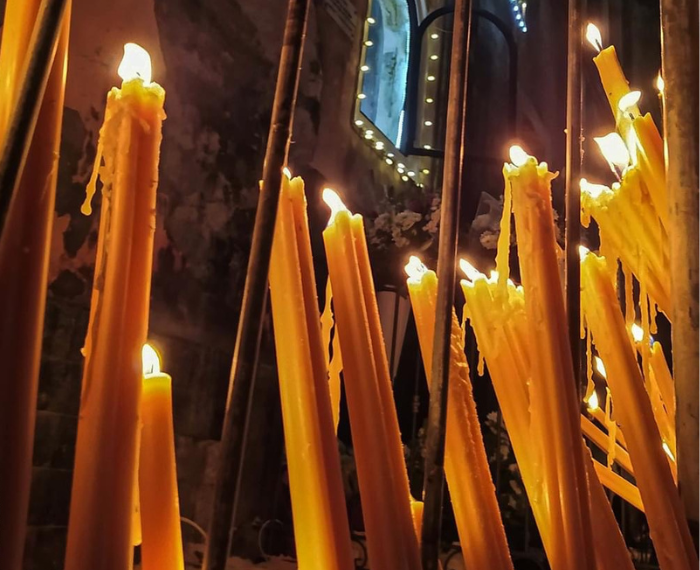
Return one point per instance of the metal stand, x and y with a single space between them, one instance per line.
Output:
245 355
26 110
447 257
679 57
573 192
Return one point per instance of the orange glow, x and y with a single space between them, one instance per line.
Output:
583 251
593 37
637 332
287 172
629 100
600 367
593 190
660 83
592 402
150 359
136 63
415 269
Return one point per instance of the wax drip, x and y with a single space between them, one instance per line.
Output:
480 364
611 425
629 295
653 308
503 246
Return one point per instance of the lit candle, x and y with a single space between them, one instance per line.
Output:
555 414
650 153
161 545
466 467
321 530
24 261
667 525
612 77
99 529
381 470
503 335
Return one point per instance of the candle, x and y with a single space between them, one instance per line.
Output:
24 261
668 528
381 471
650 153
466 467
500 325
554 398
321 531
161 545
612 77
99 529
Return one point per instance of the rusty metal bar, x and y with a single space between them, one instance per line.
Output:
246 351
447 258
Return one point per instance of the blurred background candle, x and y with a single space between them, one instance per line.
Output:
102 498
24 264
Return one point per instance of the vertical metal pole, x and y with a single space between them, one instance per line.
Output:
447 257
573 193
679 57
247 347
16 144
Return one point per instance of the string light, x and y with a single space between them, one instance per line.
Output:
369 43
369 134
430 78
388 161
379 145
411 173
429 100
434 57
427 147
361 96
434 36
519 13
371 20
404 178
359 123
425 171
428 123
364 68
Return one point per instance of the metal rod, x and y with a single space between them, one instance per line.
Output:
447 257
679 58
247 346
26 109
573 192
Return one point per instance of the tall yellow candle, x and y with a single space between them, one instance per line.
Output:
650 153
99 529
553 391
466 466
161 545
321 530
24 261
667 525
391 539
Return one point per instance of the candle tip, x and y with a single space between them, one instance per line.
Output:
518 156
415 269
593 190
629 100
593 36
593 401
136 63
469 270
150 359
615 152
660 83
600 367
333 201
287 172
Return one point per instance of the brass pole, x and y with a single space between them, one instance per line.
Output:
679 56
247 348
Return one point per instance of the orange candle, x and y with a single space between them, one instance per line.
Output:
24 261
321 530
161 545
466 467
667 525
382 477
554 399
102 499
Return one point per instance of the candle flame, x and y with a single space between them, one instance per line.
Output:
593 402
600 367
593 37
593 190
136 63
415 269
615 151
629 100
151 362
333 201
583 251
637 332
469 270
517 155
660 83
287 172
668 451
